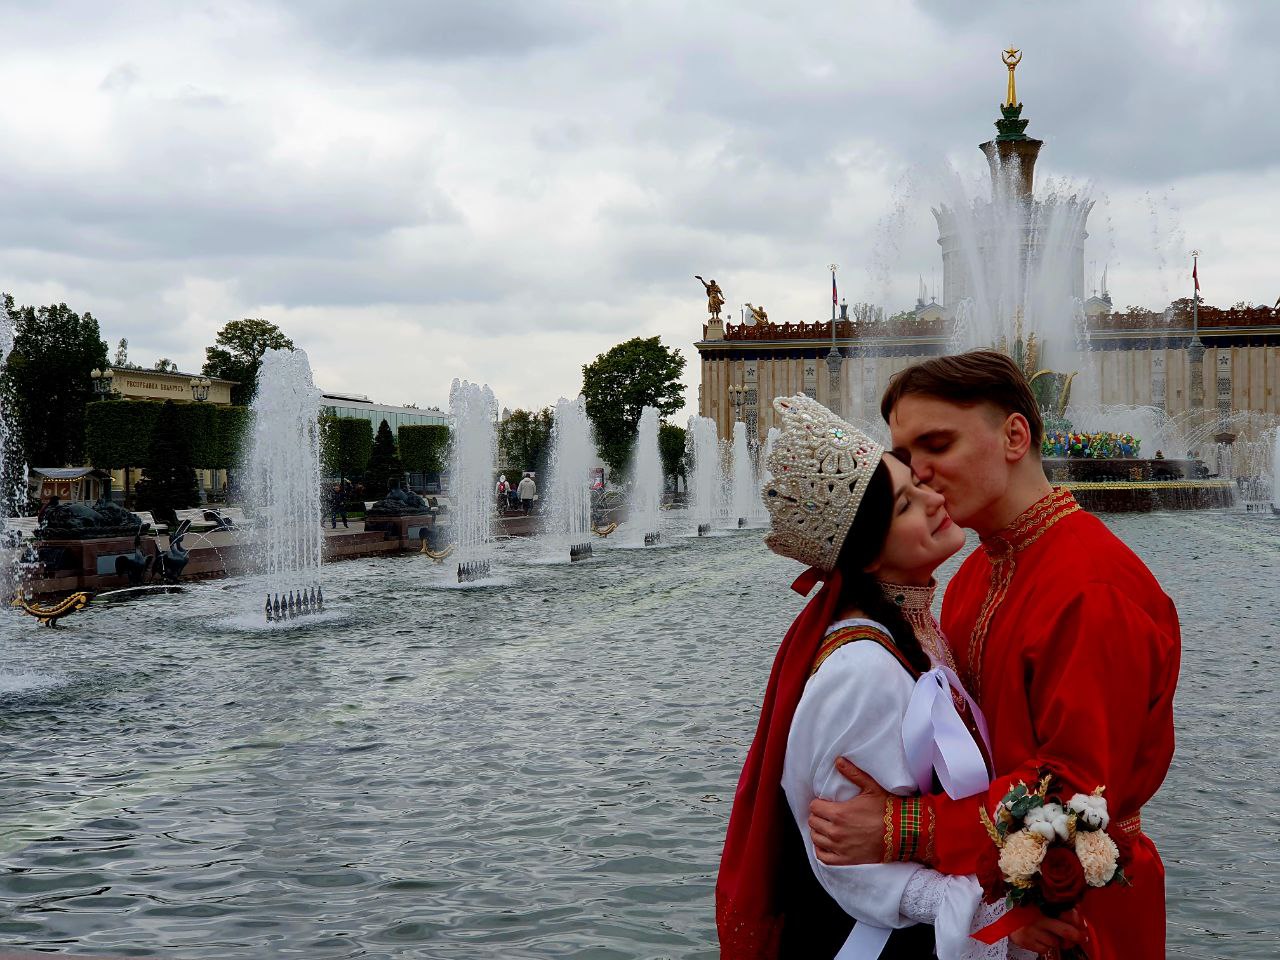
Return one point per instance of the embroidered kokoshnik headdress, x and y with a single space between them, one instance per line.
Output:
820 468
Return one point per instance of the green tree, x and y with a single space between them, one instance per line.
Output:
422 447
237 354
122 356
168 481
620 382
671 448
165 365
524 438
346 444
46 381
385 469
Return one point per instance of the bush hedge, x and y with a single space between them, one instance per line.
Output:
346 444
118 433
423 447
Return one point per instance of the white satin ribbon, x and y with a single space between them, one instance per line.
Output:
865 942
936 739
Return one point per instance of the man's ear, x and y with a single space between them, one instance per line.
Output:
1017 437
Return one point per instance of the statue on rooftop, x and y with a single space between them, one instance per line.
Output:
715 296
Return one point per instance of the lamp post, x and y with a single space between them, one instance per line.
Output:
834 360
737 397
200 393
1196 348
101 381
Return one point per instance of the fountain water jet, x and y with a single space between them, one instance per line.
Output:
1275 474
569 482
284 473
706 487
646 475
471 413
748 507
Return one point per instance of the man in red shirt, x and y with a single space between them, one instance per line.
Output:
1058 630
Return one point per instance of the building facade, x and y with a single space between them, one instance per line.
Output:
1140 358
360 406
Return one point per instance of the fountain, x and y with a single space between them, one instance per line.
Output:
569 485
706 486
1275 474
1013 268
284 479
13 478
646 476
748 507
471 410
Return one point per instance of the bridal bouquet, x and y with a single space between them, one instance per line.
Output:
1047 853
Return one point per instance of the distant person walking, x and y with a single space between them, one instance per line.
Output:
502 492
527 491
338 506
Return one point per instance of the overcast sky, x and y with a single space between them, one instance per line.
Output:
417 191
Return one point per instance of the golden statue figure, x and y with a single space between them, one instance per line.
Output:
715 296
758 315
1011 58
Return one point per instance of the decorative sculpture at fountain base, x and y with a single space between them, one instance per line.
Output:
472 570
294 604
579 551
50 614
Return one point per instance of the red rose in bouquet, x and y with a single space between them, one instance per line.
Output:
1062 881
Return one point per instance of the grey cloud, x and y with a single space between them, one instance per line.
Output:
444 29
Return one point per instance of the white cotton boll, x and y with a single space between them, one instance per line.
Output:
1092 811
1041 828
1048 821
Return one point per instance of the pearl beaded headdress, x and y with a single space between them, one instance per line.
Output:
820 468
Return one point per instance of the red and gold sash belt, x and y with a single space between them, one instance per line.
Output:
1131 826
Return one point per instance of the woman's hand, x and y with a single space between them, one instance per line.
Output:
852 831
1047 935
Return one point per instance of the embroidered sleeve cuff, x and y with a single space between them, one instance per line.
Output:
908 830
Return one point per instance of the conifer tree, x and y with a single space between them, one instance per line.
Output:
385 470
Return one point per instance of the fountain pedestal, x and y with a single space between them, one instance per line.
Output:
411 526
86 564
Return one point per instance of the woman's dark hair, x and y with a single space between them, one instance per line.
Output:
863 543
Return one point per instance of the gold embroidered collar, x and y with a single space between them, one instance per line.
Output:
1030 525
910 599
916 604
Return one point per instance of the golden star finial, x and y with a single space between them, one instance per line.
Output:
1011 57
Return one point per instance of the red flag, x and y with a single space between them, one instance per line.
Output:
1194 264
833 286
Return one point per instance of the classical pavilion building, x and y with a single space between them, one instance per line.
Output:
1187 356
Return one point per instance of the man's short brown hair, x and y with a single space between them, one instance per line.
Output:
967 379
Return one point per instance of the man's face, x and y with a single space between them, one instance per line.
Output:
959 451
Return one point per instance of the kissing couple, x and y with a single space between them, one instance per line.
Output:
966 790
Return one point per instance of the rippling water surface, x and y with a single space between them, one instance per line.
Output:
541 766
